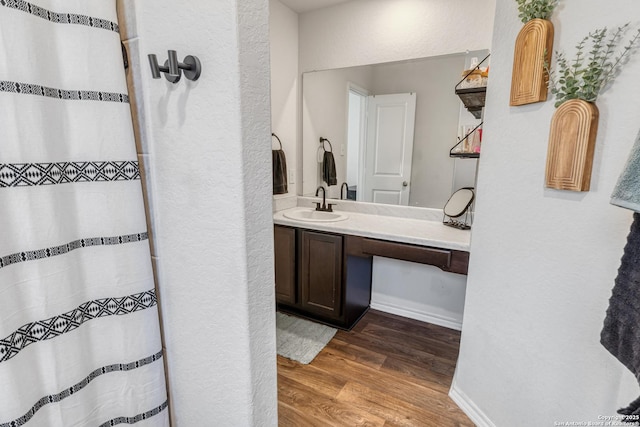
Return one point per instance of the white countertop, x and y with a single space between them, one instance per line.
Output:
396 229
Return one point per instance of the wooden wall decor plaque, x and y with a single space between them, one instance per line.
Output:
572 141
529 77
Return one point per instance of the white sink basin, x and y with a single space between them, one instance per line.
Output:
312 215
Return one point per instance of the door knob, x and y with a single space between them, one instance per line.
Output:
405 183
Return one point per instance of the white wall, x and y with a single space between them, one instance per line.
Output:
208 173
543 261
418 291
362 32
283 37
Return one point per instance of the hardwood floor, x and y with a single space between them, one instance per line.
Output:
388 371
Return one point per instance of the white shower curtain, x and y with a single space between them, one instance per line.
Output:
79 331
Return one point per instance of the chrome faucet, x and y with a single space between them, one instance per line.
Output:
324 207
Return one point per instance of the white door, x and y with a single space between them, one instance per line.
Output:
389 148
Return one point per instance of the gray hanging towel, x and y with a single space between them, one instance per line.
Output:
329 169
626 194
279 166
621 332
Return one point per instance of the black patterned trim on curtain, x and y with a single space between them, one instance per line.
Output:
69 95
29 174
68 247
58 397
55 326
137 418
60 18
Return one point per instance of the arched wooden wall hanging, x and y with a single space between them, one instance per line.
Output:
529 77
572 142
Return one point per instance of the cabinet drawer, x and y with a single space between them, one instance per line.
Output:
446 259
438 257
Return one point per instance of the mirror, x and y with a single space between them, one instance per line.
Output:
358 107
457 206
458 203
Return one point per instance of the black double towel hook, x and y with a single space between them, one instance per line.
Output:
173 69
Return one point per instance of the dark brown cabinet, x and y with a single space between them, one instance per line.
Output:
284 241
321 273
318 276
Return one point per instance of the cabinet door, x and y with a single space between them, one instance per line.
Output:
321 273
284 241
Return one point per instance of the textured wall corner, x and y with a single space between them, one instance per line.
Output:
543 261
207 145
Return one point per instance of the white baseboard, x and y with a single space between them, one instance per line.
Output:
447 322
474 413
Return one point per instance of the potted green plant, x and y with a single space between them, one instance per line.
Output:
576 85
529 10
534 45
589 73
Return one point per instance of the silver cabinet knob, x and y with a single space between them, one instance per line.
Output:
405 183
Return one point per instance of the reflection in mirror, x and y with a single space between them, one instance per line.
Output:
391 127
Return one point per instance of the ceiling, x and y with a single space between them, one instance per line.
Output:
301 6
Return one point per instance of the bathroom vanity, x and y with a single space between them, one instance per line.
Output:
320 275
323 269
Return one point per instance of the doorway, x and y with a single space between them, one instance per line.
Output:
380 132
356 134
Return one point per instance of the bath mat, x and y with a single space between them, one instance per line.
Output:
299 339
